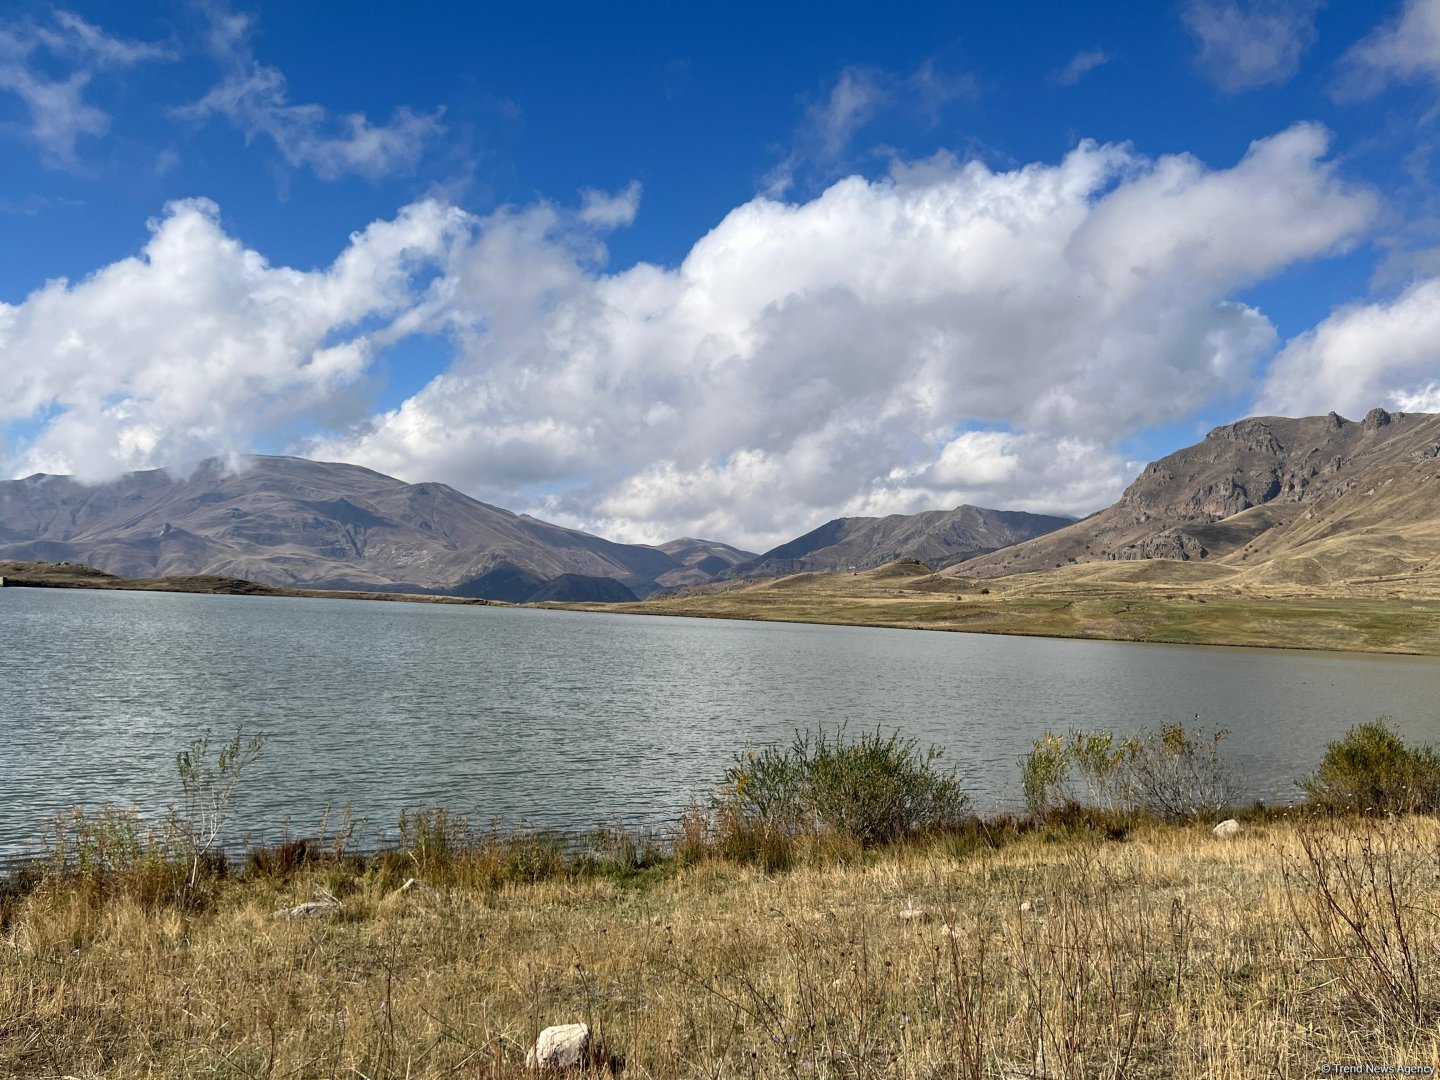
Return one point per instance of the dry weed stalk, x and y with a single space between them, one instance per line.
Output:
1362 896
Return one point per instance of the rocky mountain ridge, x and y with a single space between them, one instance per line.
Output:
938 538
1253 492
290 521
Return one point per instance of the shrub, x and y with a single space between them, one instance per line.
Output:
1351 893
874 789
1371 770
1174 772
1043 775
208 780
1179 773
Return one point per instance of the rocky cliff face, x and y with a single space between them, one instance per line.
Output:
1247 480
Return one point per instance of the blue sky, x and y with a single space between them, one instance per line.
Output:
725 272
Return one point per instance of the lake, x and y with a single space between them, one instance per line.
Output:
568 719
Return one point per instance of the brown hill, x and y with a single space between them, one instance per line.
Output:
935 537
700 561
1312 501
292 522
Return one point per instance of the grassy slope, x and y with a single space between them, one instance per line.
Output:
1189 603
1170 954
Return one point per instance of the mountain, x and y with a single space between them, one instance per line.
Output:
1312 501
289 521
936 537
700 561
583 589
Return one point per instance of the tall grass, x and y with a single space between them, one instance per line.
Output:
1010 947
1171 954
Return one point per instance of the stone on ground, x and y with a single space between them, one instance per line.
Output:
564 1046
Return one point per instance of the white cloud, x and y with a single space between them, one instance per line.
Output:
1246 44
1363 355
608 211
73 36
1404 49
807 359
1080 65
1424 398
59 112
850 354
198 346
859 95
255 98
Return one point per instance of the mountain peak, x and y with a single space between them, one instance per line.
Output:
935 537
1242 488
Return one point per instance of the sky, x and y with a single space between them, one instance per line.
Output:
725 271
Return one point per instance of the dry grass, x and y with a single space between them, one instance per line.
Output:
1155 600
1169 953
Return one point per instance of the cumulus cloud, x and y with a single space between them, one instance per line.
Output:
1363 355
1080 65
944 334
255 98
198 346
837 355
1401 50
59 113
1246 44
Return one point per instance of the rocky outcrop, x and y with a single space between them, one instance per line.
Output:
1202 502
1170 544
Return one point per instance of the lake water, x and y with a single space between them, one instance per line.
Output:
568 719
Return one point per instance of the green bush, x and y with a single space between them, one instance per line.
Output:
1173 772
874 789
1044 775
1371 770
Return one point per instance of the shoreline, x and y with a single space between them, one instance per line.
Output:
1145 613
1048 636
78 576
1069 607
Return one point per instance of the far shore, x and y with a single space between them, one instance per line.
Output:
1154 602
41 575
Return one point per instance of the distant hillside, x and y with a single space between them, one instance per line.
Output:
936 537
289 521
581 589
701 561
1305 501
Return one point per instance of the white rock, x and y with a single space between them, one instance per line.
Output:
313 909
564 1046
411 885
1227 828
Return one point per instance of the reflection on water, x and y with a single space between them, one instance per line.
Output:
569 719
